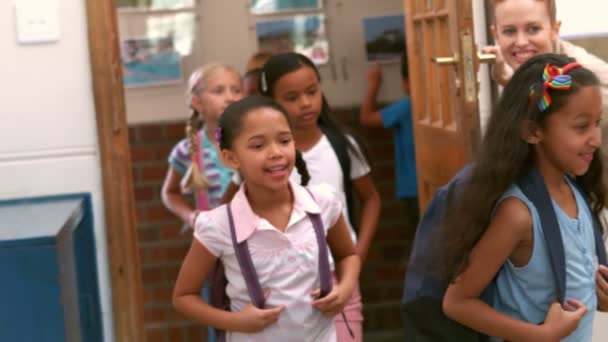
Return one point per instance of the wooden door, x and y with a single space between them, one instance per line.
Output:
443 65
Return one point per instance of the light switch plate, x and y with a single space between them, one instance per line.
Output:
37 21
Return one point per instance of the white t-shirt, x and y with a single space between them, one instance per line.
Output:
324 168
286 262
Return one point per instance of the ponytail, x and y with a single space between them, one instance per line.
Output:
302 169
193 179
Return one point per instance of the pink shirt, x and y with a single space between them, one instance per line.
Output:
286 262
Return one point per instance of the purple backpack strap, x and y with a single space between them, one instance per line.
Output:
324 272
246 264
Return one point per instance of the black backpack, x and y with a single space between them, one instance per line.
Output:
423 317
340 146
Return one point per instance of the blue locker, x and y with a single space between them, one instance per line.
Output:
49 289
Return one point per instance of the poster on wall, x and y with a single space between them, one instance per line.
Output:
150 61
280 6
384 38
155 4
303 34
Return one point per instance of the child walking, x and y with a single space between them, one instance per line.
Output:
270 212
194 163
332 157
547 120
195 160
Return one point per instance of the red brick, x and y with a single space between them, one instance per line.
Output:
155 173
197 333
157 211
150 133
148 234
173 232
376 134
151 256
148 297
155 314
152 275
140 214
163 151
163 295
175 131
142 153
177 253
133 135
171 272
177 333
392 212
385 171
381 152
154 334
145 193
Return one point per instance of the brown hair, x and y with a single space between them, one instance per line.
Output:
551 9
257 61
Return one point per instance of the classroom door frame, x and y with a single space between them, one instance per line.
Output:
443 66
117 178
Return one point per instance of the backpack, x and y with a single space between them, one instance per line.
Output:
220 300
423 316
340 147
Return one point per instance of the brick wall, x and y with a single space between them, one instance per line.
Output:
162 248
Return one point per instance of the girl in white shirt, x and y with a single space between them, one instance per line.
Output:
270 212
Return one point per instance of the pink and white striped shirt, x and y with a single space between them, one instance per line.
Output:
286 262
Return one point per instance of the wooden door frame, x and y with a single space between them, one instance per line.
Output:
115 158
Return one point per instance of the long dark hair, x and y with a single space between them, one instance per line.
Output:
279 65
232 119
505 157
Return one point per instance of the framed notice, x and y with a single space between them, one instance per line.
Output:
303 34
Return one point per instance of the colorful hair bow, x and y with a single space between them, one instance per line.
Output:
554 77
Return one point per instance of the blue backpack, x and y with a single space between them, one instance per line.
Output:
425 287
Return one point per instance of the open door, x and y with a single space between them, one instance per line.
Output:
443 65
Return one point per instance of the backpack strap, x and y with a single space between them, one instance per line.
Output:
533 186
600 249
325 284
324 272
246 264
340 147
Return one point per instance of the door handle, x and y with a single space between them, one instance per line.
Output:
482 57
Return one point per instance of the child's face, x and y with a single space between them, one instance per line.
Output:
522 29
571 135
299 92
264 150
220 89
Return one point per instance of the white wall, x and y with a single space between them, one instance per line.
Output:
226 33
48 138
582 18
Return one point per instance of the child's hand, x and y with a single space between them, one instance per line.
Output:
251 319
601 282
562 321
331 304
374 76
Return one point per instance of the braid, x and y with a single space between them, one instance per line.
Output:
193 178
302 169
